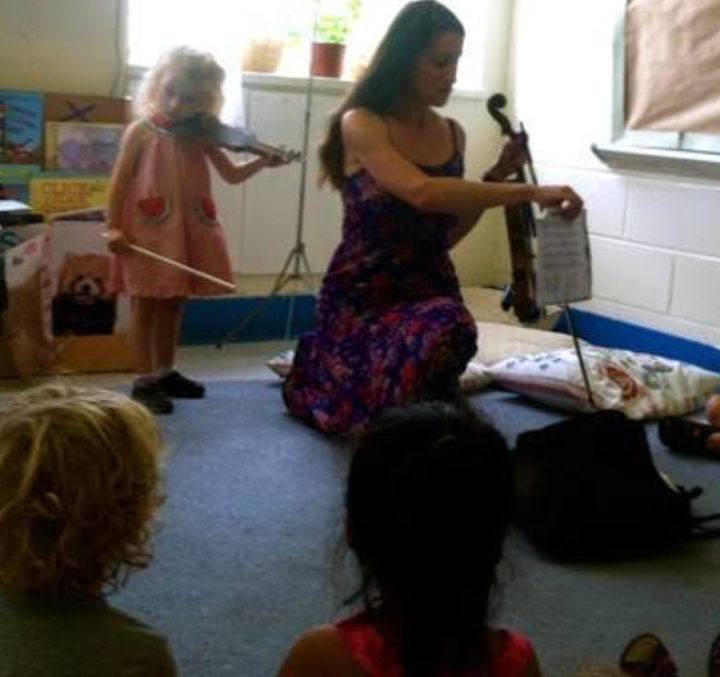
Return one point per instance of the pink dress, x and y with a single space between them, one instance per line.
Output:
376 658
169 209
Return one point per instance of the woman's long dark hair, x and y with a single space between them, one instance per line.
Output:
428 507
387 79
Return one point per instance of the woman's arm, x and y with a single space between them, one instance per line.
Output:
123 170
512 157
468 220
237 173
367 138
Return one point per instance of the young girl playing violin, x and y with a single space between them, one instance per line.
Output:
160 199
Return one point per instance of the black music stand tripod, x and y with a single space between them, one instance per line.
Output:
296 266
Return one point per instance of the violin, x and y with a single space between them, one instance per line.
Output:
236 139
521 228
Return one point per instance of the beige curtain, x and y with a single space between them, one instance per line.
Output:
673 66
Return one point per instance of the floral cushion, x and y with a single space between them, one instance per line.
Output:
641 385
497 341
475 378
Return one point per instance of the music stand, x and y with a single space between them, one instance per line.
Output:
296 265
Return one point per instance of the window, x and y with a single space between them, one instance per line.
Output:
667 85
225 28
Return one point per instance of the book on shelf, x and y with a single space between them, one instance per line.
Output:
60 107
21 127
15 181
52 194
82 146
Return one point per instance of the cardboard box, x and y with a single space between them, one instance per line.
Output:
60 317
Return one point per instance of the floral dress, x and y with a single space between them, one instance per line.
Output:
391 326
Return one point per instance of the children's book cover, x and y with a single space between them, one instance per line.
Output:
82 146
15 181
86 108
57 194
21 127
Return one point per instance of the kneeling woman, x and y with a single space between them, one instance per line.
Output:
391 325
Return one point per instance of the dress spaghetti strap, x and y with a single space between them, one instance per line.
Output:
454 133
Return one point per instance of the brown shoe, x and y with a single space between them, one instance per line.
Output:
647 656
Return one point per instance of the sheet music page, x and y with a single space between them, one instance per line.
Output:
563 269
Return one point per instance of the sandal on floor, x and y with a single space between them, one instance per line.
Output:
647 656
714 658
686 437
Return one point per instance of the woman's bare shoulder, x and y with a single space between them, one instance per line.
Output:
362 129
362 119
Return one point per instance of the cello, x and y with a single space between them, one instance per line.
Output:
521 228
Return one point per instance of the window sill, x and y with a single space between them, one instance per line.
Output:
680 163
294 83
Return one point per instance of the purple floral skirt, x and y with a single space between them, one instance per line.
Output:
347 371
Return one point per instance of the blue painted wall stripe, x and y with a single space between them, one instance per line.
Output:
208 321
606 331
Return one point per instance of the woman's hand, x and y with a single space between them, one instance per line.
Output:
562 198
512 157
117 242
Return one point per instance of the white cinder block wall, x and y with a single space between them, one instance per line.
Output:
655 238
262 215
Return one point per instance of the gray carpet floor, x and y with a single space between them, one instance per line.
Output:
247 551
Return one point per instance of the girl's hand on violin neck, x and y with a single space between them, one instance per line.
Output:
117 242
562 198
275 159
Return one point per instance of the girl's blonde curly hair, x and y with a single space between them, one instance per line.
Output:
79 485
198 72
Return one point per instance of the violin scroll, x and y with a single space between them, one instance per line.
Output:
494 105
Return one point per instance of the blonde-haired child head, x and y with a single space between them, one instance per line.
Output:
190 73
79 484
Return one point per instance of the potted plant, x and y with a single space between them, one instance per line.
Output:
332 30
262 54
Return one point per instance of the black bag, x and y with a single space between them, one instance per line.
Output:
587 487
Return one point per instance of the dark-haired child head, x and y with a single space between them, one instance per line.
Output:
428 507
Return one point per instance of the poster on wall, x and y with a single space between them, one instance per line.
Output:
21 127
82 146
59 194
